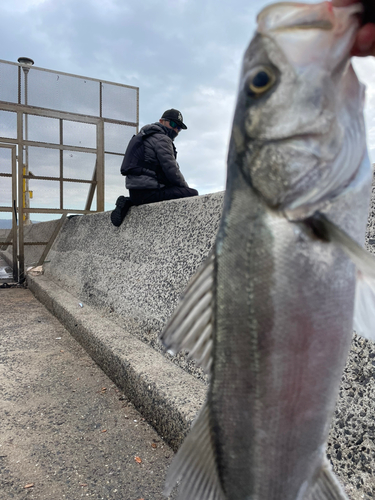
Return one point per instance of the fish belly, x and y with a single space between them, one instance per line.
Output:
283 327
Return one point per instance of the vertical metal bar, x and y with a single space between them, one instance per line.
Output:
100 166
137 110
21 251
101 99
61 165
26 199
19 85
14 213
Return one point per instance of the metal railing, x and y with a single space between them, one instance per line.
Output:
57 126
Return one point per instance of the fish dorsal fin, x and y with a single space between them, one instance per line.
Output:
195 464
190 326
326 486
364 307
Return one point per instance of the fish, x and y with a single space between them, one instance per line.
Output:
270 313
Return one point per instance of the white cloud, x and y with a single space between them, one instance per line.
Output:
22 6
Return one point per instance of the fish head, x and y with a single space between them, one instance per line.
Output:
298 132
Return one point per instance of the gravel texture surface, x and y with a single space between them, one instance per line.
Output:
351 445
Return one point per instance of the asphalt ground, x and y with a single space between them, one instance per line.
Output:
66 431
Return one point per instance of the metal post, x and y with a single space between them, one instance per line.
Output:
21 250
19 85
26 198
101 99
137 111
61 155
14 213
26 64
100 166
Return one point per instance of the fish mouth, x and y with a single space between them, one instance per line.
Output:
317 25
311 34
284 16
307 139
296 137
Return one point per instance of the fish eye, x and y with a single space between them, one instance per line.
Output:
259 81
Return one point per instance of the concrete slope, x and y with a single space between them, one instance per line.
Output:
129 280
167 396
138 271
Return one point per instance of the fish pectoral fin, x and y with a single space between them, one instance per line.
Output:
195 464
190 326
326 486
364 307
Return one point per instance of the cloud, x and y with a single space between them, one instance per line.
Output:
22 7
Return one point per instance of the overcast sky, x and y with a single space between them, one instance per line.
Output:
184 54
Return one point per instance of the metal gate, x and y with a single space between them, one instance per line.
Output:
60 133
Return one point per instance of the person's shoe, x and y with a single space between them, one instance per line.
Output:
122 206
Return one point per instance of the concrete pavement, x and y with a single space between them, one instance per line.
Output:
66 431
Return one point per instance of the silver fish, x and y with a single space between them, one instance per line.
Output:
270 314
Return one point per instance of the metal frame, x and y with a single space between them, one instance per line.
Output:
21 144
12 236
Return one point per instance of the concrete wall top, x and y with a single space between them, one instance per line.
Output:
138 270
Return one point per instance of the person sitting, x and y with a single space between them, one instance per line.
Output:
150 166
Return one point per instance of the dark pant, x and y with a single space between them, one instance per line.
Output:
143 196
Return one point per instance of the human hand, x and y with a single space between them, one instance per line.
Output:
364 44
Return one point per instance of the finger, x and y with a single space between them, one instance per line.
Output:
366 37
365 41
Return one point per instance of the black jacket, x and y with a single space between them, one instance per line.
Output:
161 153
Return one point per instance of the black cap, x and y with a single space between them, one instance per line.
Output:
176 116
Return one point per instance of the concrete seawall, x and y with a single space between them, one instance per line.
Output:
137 272
114 288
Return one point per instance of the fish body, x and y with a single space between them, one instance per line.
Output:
273 389
270 314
